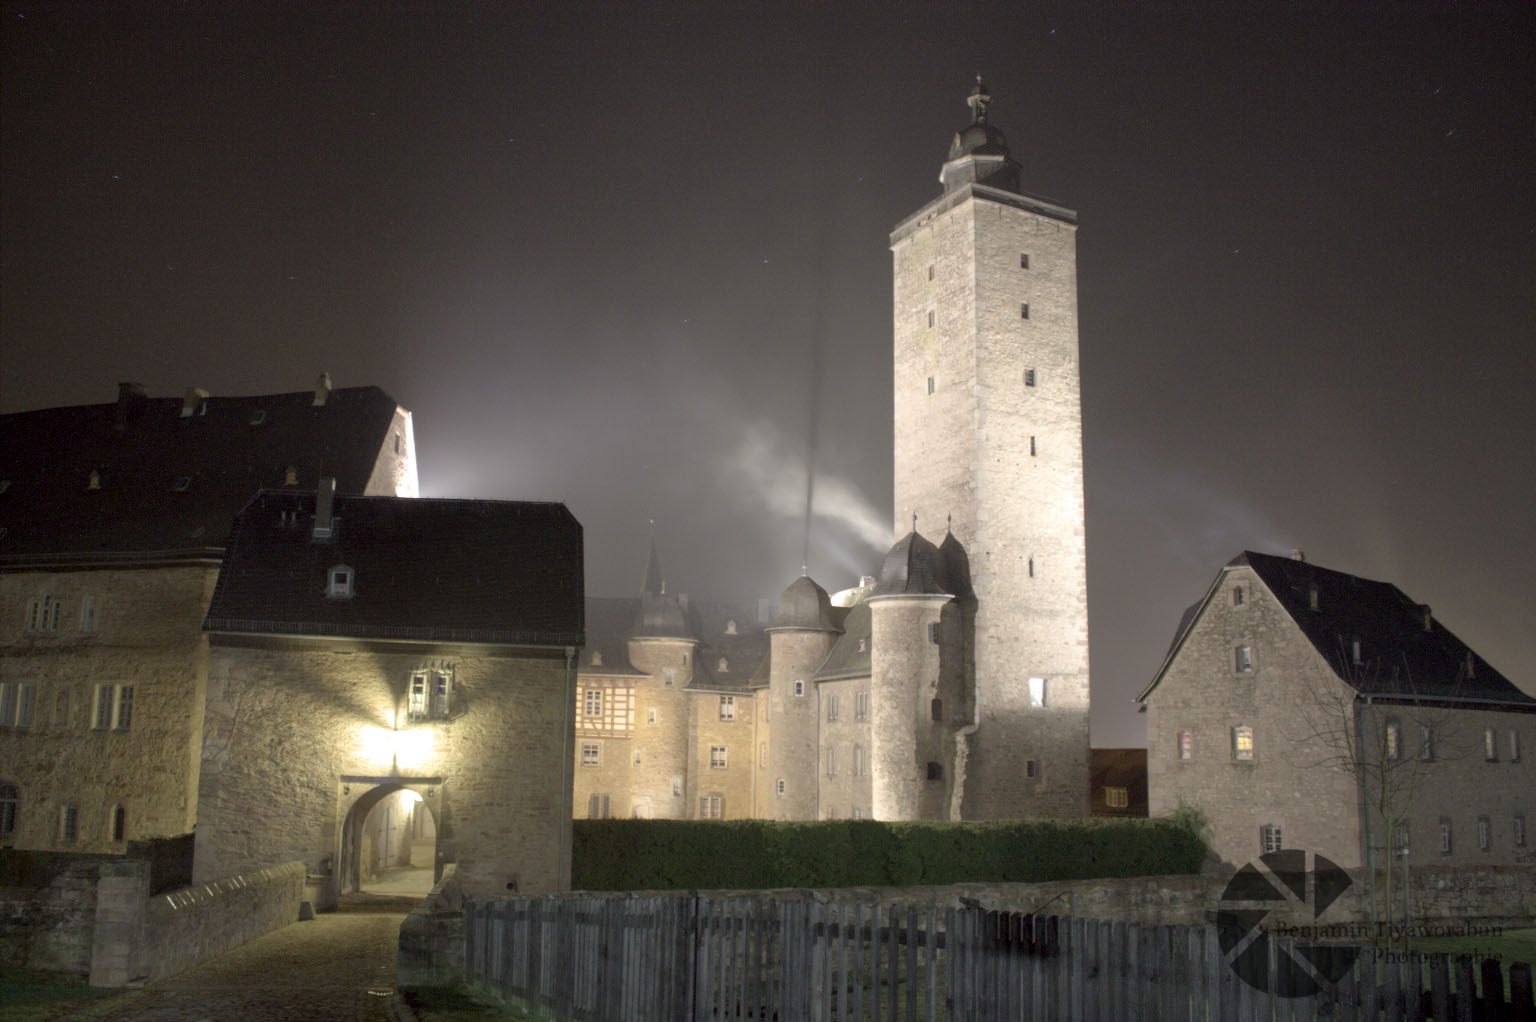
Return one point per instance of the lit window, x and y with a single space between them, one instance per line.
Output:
430 693
832 706
730 627
860 761
861 705
1243 659
592 702
1238 596
290 476
1483 835
94 482
1242 742
597 658
9 798
1117 798
831 761
1023 310
723 665
1037 691
69 824
1186 745
1269 838
1029 377
1354 650
339 581
1394 739
799 688
1023 260
1445 836
1490 745
727 707
17 701
119 823
778 787
717 757
589 751
114 708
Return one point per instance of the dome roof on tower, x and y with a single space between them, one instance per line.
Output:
915 566
804 604
978 139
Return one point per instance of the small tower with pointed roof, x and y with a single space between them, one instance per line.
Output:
802 634
662 645
988 430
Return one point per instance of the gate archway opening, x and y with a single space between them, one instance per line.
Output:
389 844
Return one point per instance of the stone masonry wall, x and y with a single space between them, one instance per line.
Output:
49 927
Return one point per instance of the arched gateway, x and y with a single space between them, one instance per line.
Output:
390 839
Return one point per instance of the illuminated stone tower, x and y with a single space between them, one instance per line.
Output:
988 431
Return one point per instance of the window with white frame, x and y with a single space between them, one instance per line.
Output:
1037 691
339 581
778 787
114 708
727 707
1186 745
10 799
1269 838
1400 839
88 615
799 688
861 705
668 677
431 693
762 754
1490 745
1117 798
598 807
17 702
712 807
1394 739
1242 742
860 761
1239 597
69 824
831 761
650 715
592 702
717 760
589 753
1242 659
1484 835
1514 746
857 813
677 786
1426 743
832 706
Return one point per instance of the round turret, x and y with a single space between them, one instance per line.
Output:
804 604
912 566
661 617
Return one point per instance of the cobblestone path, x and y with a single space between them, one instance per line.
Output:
340 965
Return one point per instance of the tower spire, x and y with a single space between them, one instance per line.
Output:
978 100
654 583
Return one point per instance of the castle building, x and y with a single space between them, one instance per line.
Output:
113 523
956 685
1300 707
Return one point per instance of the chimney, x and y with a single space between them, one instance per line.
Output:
322 389
325 500
131 400
1429 621
195 402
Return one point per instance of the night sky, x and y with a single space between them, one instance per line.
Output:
624 257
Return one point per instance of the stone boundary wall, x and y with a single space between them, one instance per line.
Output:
138 938
432 937
184 927
48 925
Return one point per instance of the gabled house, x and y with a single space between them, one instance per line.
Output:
417 655
1300 707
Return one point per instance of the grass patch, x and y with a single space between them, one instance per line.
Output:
454 1004
27 995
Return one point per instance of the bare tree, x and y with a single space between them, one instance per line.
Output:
1369 721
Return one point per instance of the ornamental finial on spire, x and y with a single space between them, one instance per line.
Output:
979 99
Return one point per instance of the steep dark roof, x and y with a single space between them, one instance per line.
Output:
846 659
915 566
1399 657
225 456
804 604
609 621
425 569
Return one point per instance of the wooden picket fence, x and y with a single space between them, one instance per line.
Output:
795 956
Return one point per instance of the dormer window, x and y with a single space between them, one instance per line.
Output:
724 665
291 476
730 627
94 483
182 484
339 581
258 417
597 659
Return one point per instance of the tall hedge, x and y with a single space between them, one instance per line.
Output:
641 855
